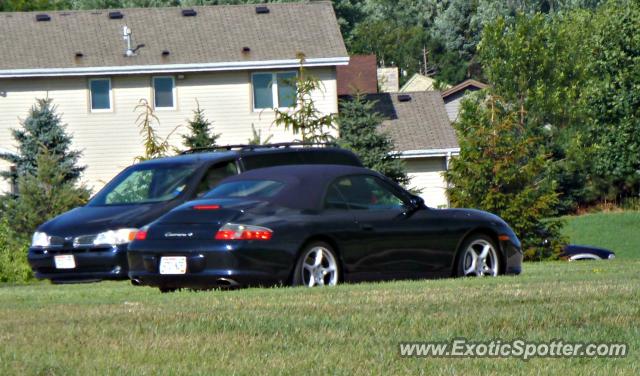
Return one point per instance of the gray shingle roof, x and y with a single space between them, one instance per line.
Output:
418 124
216 35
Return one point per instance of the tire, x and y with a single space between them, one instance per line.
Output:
478 257
317 266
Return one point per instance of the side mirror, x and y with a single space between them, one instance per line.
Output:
415 203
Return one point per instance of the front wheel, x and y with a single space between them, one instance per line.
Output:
478 258
317 266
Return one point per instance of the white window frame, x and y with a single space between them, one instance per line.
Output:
173 93
274 91
110 109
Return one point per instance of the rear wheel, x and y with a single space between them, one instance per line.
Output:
478 258
317 266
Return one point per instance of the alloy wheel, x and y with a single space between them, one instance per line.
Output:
480 259
319 268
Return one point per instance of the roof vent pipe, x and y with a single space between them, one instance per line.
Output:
126 35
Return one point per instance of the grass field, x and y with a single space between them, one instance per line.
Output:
619 231
114 328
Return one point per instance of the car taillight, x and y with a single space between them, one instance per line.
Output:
141 234
232 231
206 207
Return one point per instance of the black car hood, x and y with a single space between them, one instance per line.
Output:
89 220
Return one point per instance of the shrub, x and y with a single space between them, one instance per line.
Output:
501 169
41 196
13 256
200 129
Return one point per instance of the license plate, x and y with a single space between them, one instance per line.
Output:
173 265
64 262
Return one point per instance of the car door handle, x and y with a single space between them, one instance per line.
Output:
366 227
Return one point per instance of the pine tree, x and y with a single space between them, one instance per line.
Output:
201 135
359 126
42 129
502 169
43 194
256 138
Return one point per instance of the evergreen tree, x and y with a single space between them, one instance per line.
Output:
43 194
502 169
42 129
359 129
257 139
200 131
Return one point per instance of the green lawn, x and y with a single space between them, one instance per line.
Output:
114 328
618 231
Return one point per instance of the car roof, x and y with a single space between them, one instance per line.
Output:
219 155
305 185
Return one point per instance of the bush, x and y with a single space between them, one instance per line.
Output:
41 196
13 256
502 169
200 131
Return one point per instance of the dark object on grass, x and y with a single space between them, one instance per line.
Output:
573 252
316 225
89 243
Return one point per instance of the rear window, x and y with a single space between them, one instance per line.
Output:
246 189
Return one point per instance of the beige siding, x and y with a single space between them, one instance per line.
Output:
110 141
427 175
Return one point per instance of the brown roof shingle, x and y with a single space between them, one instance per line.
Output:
418 124
216 34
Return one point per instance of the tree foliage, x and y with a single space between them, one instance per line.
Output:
256 137
360 132
154 145
42 195
305 118
502 169
612 97
200 131
13 256
42 129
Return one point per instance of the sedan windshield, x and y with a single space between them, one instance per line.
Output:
145 184
246 189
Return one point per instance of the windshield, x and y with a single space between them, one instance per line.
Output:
246 189
145 184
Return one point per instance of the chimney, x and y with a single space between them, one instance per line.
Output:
388 80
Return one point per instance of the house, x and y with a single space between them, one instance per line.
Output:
453 96
233 60
418 124
418 82
359 76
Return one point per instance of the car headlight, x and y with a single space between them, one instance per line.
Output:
40 239
115 237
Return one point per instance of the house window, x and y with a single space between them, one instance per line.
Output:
164 92
273 90
100 92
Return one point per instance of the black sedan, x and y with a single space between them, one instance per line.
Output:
316 225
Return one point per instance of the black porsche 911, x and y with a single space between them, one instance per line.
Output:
313 226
